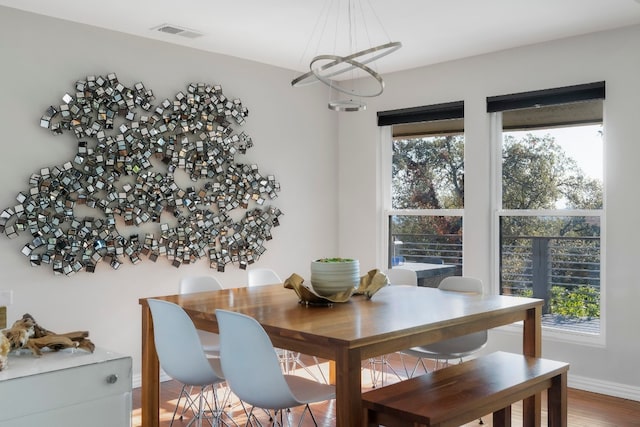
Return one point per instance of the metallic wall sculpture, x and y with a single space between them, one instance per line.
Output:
129 153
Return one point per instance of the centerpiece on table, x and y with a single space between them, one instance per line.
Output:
335 280
331 276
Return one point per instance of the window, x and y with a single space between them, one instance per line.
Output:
549 204
424 188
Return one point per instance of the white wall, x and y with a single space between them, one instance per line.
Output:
295 139
610 56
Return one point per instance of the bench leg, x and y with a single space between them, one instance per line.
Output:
365 417
557 401
502 418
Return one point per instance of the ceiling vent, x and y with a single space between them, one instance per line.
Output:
178 31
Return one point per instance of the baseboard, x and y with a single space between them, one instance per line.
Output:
609 388
136 381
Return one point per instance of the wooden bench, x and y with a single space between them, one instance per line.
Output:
465 392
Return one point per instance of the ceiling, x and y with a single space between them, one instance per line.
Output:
281 32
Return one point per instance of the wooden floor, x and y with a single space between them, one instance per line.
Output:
585 409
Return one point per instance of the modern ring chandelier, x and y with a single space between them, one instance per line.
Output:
340 72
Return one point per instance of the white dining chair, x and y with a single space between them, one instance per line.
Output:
379 367
289 360
402 276
182 358
210 340
455 348
192 284
262 276
252 370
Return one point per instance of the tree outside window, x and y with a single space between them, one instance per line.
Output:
550 221
427 182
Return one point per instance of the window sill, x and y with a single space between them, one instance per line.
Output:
560 335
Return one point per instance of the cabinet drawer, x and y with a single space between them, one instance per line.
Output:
54 390
112 411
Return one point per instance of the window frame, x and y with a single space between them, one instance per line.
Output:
386 121
555 334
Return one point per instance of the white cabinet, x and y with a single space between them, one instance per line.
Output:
69 388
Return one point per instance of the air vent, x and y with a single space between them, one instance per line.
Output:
178 31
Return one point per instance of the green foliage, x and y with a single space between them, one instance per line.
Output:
537 174
426 227
576 303
428 173
334 260
524 292
582 302
532 172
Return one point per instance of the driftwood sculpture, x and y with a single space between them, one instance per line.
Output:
5 347
27 333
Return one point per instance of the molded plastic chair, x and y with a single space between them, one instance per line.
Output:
289 360
454 348
252 369
182 358
402 276
192 284
262 276
379 365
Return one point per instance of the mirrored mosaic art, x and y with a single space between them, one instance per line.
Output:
165 172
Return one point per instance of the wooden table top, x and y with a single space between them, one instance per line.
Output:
393 312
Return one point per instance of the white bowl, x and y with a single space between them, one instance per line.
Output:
330 278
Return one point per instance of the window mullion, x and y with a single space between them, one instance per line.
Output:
384 184
496 197
550 212
424 212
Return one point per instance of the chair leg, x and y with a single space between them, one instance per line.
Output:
278 417
307 408
219 407
419 361
300 363
388 366
376 374
372 363
201 407
175 411
439 363
290 361
203 404
185 393
251 415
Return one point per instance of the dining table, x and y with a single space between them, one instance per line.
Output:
395 318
